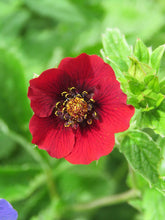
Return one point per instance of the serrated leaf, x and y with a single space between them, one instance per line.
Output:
15 110
141 52
154 119
143 155
135 86
156 57
159 124
152 82
114 66
116 48
149 99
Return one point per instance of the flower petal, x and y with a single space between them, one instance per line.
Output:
44 91
87 69
51 135
112 105
6 211
91 144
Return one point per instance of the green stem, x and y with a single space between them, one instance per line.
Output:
107 201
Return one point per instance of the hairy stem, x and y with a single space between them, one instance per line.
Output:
107 201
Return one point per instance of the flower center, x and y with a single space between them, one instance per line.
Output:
75 108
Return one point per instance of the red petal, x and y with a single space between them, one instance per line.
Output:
44 90
87 69
51 135
91 144
113 107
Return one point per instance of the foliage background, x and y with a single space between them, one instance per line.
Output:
34 36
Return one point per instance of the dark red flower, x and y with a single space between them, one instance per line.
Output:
78 108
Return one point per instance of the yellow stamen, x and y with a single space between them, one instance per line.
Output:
89 121
63 93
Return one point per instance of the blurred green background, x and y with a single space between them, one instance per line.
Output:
36 35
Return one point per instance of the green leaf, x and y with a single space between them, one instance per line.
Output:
129 16
135 86
59 10
156 57
143 155
162 86
7 146
149 99
84 183
33 204
15 110
18 182
153 204
52 212
12 25
159 124
141 52
116 48
139 70
154 119
152 82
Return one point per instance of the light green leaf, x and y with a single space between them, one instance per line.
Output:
153 204
159 124
152 82
11 26
154 119
143 155
135 86
60 10
134 17
139 70
156 57
162 86
15 110
141 52
116 48
149 99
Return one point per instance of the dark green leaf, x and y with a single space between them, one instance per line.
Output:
15 110
18 182
6 146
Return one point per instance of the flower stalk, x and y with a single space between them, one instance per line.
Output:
107 201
